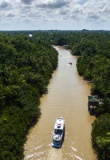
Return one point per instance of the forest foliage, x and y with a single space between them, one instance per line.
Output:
26 65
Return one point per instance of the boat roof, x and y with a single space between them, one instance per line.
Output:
93 98
59 124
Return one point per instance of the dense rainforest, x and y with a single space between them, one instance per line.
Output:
26 65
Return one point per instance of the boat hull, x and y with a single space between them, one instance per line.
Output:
58 133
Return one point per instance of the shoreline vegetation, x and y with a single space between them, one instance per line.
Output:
26 65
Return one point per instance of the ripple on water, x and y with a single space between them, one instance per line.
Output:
79 158
36 153
74 149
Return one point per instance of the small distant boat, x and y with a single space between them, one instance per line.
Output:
70 63
58 133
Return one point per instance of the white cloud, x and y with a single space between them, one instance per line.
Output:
54 14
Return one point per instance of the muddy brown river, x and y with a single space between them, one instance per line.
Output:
67 97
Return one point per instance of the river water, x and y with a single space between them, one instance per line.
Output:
67 97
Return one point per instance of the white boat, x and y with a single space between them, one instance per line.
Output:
58 133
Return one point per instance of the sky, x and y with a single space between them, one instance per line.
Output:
54 14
